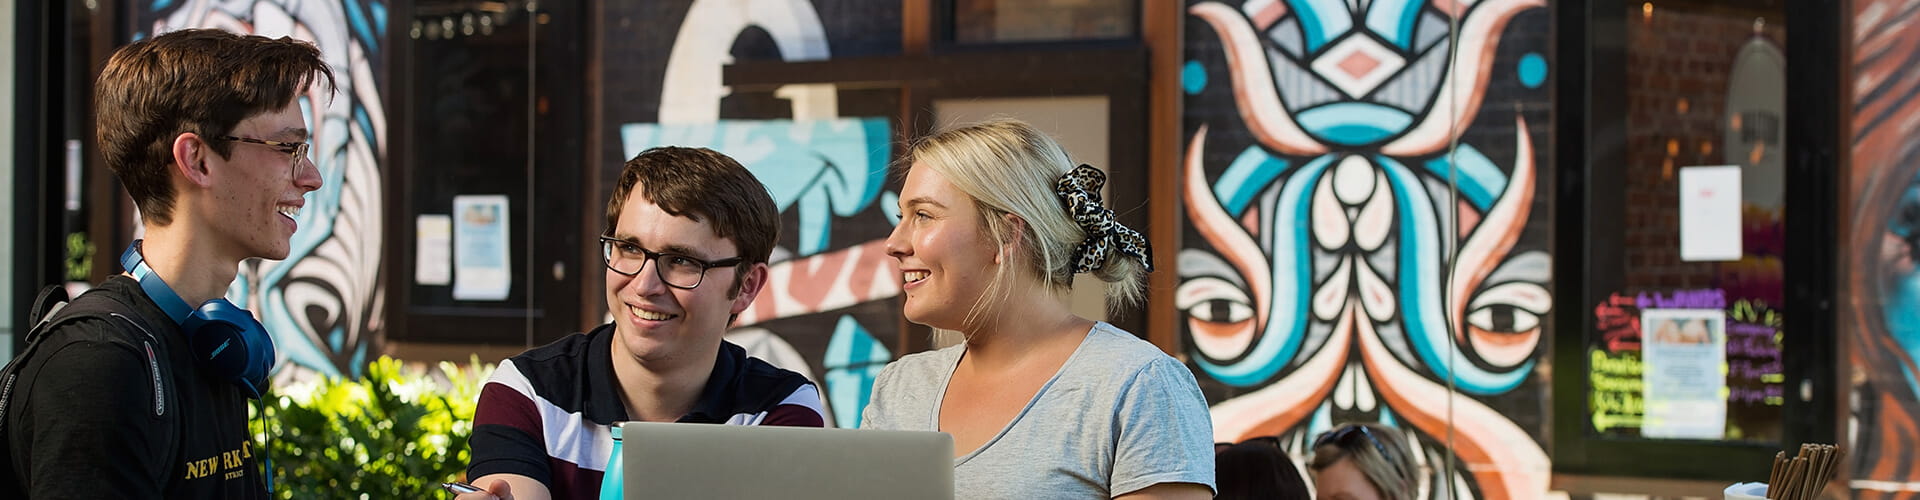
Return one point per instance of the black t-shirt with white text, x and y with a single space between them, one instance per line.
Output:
115 407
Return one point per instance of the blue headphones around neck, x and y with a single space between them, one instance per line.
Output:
226 339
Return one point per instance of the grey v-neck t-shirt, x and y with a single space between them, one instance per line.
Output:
1119 416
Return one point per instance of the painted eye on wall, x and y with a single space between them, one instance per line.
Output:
1905 223
1219 315
1510 307
1213 300
1503 323
1222 311
1503 318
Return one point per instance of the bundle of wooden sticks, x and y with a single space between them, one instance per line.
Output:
1802 477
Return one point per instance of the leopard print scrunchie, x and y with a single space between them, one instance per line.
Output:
1079 191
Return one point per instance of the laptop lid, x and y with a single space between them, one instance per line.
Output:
671 460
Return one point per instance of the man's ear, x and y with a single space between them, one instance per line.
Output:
1016 236
750 286
190 154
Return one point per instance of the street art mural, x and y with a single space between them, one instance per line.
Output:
1365 203
1883 283
323 303
828 311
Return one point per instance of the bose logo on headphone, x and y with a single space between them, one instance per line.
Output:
226 339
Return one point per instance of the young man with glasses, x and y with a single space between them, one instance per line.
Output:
204 129
689 232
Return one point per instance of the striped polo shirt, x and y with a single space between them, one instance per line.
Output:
548 413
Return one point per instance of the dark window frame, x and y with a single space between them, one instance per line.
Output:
946 30
1592 34
539 308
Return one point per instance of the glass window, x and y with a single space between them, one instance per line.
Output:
990 21
1687 326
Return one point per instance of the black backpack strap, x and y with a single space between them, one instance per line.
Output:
53 312
50 300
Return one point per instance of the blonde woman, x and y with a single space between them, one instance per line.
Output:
1041 403
1363 462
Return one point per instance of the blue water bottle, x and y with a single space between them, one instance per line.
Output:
611 484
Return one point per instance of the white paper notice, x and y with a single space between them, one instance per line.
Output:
432 250
1685 351
481 269
1710 213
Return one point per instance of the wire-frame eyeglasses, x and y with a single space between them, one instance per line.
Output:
295 151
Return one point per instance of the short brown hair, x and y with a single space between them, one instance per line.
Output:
203 81
703 185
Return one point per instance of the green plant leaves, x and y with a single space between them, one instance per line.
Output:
394 433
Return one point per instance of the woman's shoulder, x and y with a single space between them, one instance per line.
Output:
932 356
906 389
936 362
1115 365
1122 349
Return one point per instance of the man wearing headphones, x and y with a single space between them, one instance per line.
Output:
143 392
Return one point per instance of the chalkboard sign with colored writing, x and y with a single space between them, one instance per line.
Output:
1618 372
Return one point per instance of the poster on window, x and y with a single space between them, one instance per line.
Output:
481 263
1710 214
433 249
1685 351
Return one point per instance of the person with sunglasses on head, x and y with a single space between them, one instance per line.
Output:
1364 462
1041 402
145 394
689 233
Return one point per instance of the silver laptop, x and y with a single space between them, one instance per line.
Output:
732 461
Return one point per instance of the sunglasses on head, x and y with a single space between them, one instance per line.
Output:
1339 437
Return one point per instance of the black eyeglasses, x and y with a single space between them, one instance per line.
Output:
295 150
676 270
1345 434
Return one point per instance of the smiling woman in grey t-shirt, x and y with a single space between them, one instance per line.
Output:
1040 402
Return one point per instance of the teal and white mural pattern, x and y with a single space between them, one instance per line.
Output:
1361 182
